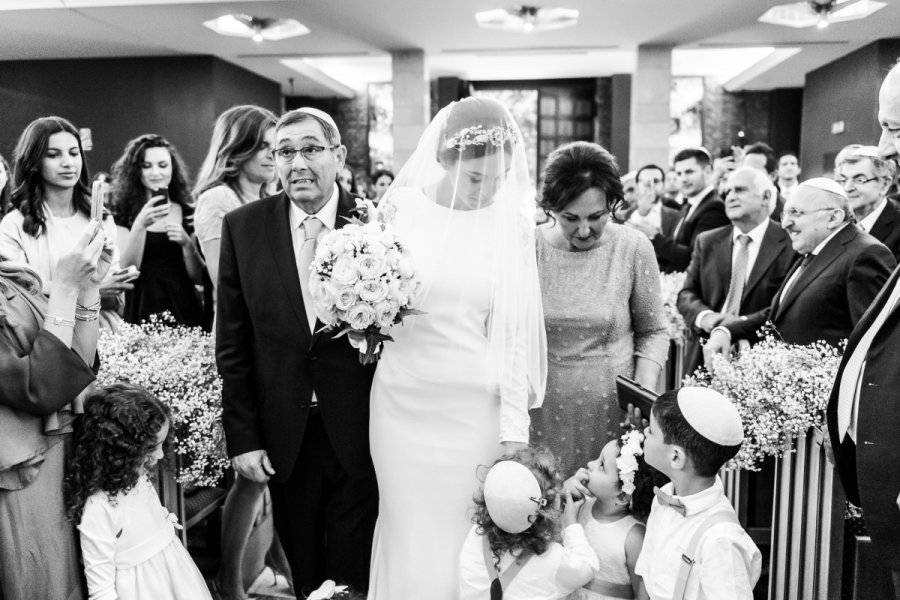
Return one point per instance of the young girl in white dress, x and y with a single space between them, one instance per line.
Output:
128 541
618 488
513 551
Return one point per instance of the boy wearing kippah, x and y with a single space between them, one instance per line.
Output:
694 547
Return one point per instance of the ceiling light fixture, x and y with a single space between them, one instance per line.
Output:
256 28
820 13
527 18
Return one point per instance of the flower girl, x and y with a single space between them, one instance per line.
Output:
618 487
128 539
511 553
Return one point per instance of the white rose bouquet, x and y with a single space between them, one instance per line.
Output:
363 282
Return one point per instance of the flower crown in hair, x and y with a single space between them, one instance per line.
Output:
479 136
626 462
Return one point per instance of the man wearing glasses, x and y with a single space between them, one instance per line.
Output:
296 400
829 289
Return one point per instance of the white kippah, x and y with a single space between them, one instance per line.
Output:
866 151
825 184
512 495
321 114
712 415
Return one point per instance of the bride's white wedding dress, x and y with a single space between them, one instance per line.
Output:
434 420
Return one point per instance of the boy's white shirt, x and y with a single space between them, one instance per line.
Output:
556 573
728 563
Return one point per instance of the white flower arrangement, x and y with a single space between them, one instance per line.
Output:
669 285
363 280
780 390
477 135
626 462
176 364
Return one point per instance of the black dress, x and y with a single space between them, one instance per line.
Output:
164 285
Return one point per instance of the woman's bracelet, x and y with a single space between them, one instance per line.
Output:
87 316
59 321
92 307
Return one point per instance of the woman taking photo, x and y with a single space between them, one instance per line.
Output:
602 307
41 385
150 196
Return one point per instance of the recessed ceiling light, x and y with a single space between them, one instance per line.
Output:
256 28
527 18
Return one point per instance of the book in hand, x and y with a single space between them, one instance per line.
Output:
631 392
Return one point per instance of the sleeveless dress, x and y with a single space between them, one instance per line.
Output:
433 420
608 541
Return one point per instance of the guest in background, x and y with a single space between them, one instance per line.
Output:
703 210
628 206
150 196
347 179
788 174
238 167
735 270
41 380
603 313
867 178
51 199
381 180
825 294
671 196
761 156
5 178
651 211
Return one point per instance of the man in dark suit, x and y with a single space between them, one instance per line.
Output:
867 178
826 293
735 270
296 401
651 211
702 210
864 409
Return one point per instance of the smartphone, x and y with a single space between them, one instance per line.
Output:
99 194
631 392
160 196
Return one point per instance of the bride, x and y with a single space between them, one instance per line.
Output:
453 392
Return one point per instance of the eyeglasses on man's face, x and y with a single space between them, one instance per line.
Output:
796 213
310 153
857 181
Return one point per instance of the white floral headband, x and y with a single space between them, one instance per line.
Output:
627 462
479 136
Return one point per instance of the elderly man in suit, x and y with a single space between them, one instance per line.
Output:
702 210
864 409
866 178
735 270
296 400
826 293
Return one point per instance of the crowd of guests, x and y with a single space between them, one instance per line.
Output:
758 246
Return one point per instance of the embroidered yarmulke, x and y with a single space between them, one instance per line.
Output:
825 184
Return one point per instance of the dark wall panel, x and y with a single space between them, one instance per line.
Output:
620 120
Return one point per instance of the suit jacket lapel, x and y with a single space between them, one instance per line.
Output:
722 253
281 245
769 249
885 222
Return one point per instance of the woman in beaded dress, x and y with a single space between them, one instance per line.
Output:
602 307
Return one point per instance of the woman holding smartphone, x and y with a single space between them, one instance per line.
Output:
150 196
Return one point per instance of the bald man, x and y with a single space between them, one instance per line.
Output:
864 409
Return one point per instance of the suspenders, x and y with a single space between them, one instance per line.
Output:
688 558
501 582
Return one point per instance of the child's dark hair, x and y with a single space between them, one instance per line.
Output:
544 530
117 432
645 478
707 457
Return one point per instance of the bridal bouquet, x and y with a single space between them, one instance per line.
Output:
669 285
363 282
177 365
780 390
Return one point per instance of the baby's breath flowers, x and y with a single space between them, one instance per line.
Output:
177 364
669 286
780 390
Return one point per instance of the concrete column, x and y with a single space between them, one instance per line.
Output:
411 99
651 87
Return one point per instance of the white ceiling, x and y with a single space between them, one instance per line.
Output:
351 40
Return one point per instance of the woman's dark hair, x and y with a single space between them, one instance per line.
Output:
645 478
707 457
474 111
128 194
573 169
382 173
354 188
4 191
116 434
544 530
28 186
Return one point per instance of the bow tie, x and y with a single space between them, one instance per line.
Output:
670 501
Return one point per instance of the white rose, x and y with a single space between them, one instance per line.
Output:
375 247
327 313
405 268
318 289
368 266
387 210
336 245
344 271
345 298
385 313
360 316
392 256
399 291
372 290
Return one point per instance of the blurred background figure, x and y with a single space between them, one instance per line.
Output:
788 174
623 210
381 179
347 179
5 179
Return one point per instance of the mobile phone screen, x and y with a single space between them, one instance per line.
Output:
159 201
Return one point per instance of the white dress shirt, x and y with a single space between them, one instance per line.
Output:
728 563
694 200
815 252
